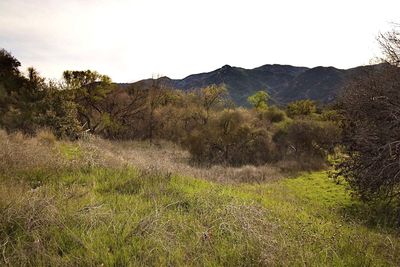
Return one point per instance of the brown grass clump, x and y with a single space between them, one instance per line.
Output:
171 158
25 219
21 153
46 136
98 152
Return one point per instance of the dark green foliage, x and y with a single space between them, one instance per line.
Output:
59 112
30 103
306 143
310 138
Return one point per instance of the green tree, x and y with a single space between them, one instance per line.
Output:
259 100
10 82
90 89
29 103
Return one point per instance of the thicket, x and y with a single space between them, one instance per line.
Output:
204 121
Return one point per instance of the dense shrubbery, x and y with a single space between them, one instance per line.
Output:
204 121
231 136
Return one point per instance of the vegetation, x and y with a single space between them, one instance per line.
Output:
82 183
69 206
301 108
370 108
204 121
259 100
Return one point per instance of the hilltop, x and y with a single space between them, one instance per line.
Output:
285 83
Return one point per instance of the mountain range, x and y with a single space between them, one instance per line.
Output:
284 83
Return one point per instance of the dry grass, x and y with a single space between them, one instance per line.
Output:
170 158
21 153
25 219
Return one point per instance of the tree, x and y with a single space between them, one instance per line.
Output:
123 110
230 137
259 100
31 102
212 96
8 64
90 89
370 108
156 97
20 96
390 46
10 81
59 112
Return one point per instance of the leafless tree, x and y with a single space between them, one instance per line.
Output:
370 106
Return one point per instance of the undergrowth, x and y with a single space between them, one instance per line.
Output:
85 209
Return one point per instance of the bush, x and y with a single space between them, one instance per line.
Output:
307 141
303 107
274 114
231 138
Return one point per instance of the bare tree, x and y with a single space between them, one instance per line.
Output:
157 96
370 106
390 46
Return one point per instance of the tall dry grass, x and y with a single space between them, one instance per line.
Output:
20 153
25 219
171 158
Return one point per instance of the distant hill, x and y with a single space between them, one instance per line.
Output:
285 83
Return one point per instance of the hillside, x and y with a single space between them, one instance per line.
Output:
285 83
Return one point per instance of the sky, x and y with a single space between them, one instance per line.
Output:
131 40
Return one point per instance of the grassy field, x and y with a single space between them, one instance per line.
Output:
96 203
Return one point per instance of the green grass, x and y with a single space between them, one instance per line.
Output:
70 151
128 217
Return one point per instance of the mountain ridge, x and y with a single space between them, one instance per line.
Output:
285 83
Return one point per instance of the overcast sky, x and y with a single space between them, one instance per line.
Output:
131 40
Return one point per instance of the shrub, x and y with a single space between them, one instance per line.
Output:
307 141
274 114
303 107
230 137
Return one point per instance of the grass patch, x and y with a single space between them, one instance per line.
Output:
70 151
135 217
94 214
